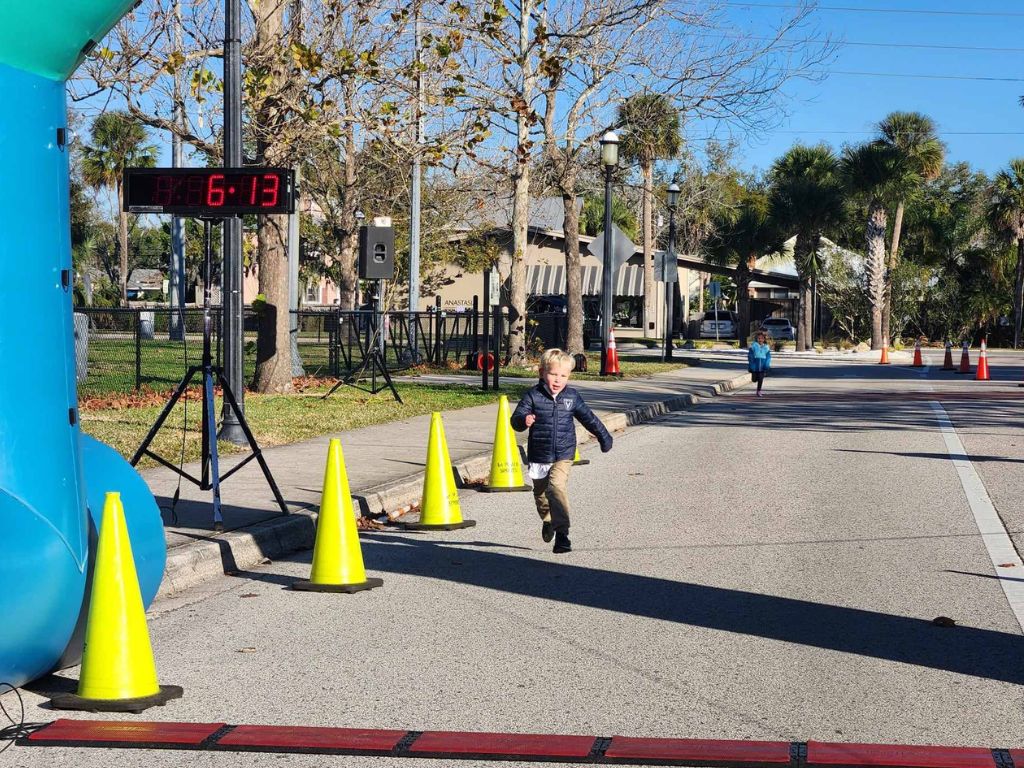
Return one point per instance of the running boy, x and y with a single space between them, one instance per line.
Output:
548 410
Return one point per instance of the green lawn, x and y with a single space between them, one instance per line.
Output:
280 419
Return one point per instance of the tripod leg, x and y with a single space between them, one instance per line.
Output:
387 378
163 415
210 430
233 404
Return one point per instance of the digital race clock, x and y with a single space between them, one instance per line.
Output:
209 192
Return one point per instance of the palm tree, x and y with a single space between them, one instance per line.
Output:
651 133
742 233
1005 214
806 200
872 172
921 156
117 143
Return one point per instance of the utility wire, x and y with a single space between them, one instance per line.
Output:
840 43
827 72
843 8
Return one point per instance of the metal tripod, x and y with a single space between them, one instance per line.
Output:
373 359
210 477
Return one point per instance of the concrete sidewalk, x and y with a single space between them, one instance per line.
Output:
385 470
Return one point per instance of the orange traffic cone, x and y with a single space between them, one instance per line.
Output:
982 374
965 360
918 362
612 363
947 364
884 359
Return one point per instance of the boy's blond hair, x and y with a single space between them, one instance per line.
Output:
553 357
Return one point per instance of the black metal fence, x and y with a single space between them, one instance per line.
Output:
129 349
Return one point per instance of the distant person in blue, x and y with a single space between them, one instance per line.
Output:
550 411
759 360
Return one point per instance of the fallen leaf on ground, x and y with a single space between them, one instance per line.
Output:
247 649
943 621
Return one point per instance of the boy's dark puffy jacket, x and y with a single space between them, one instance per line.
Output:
553 434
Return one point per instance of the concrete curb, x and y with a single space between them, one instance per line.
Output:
236 551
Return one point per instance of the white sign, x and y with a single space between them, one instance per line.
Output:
495 284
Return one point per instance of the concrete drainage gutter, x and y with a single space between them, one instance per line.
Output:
236 551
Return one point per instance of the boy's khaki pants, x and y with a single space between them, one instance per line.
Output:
552 495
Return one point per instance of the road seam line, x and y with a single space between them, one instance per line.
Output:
997 541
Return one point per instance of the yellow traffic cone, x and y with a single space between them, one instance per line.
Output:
577 461
506 469
118 673
439 504
337 556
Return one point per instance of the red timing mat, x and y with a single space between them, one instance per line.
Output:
457 745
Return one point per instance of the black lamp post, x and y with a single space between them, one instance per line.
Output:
670 253
609 159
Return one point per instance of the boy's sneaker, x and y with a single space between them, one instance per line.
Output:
547 532
562 543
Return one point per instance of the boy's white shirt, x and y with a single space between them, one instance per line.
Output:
540 471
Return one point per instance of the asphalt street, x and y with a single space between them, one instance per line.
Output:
748 569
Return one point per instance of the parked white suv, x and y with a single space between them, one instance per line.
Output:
720 324
779 328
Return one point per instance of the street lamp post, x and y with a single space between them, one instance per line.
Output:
670 288
609 159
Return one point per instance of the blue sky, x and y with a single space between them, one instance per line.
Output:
843 108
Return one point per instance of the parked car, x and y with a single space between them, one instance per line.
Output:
719 324
779 328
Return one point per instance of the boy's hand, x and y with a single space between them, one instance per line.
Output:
530 419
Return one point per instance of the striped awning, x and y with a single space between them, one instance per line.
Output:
547 279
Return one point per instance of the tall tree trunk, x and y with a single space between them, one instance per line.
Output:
743 298
874 236
517 278
122 244
347 276
802 257
650 314
273 345
525 118
573 276
894 255
1018 294
807 304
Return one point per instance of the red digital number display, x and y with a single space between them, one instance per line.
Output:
209 191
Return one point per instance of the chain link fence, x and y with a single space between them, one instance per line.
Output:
124 350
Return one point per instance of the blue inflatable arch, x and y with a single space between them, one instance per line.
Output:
51 476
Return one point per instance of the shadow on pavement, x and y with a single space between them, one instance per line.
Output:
984 575
943 456
847 416
965 650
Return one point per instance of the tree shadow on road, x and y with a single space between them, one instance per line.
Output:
976 652
942 456
792 414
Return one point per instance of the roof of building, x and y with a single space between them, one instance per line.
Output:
546 213
146 280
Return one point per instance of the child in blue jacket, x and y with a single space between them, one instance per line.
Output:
549 410
759 360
